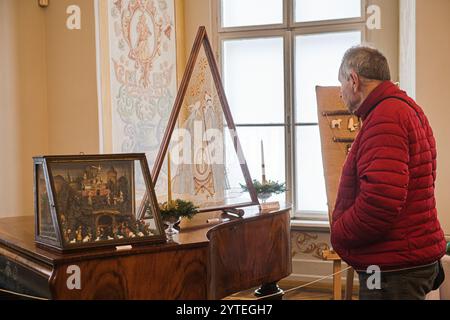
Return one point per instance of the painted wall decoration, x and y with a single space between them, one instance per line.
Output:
142 66
304 243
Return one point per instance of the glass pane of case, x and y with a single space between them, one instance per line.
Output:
272 153
317 61
320 10
99 201
251 88
46 227
240 13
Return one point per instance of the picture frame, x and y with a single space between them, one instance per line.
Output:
93 201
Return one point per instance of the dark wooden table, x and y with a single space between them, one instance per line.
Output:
204 262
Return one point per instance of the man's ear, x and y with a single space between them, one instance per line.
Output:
355 81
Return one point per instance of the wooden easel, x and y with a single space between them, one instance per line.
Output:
338 129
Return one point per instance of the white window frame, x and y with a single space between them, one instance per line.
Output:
288 30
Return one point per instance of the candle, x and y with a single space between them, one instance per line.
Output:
169 181
263 165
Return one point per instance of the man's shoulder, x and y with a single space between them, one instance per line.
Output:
392 115
396 108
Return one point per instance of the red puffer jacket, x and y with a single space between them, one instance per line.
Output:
385 211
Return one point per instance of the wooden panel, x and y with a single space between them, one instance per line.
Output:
334 153
165 275
250 254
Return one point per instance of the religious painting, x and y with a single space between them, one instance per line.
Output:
95 201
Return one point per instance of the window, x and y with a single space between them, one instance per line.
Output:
272 59
235 13
321 10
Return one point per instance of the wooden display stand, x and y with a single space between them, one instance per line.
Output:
338 130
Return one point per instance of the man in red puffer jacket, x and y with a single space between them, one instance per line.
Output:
385 218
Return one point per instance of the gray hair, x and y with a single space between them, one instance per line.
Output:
366 62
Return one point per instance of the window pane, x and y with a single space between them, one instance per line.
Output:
317 61
319 10
274 155
311 192
238 13
253 74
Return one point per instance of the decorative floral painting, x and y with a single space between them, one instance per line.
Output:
142 63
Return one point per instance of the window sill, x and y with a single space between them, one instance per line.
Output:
310 225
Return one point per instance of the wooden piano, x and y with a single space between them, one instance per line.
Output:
204 262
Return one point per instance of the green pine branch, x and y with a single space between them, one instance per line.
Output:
178 209
273 187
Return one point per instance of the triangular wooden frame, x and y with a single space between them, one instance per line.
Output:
202 40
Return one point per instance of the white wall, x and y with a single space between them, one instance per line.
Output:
197 13
72 80
48 98
23 109
433 88
387 38
425 74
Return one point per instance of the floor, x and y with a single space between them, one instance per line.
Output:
315 293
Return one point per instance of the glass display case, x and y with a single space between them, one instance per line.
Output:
95 201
